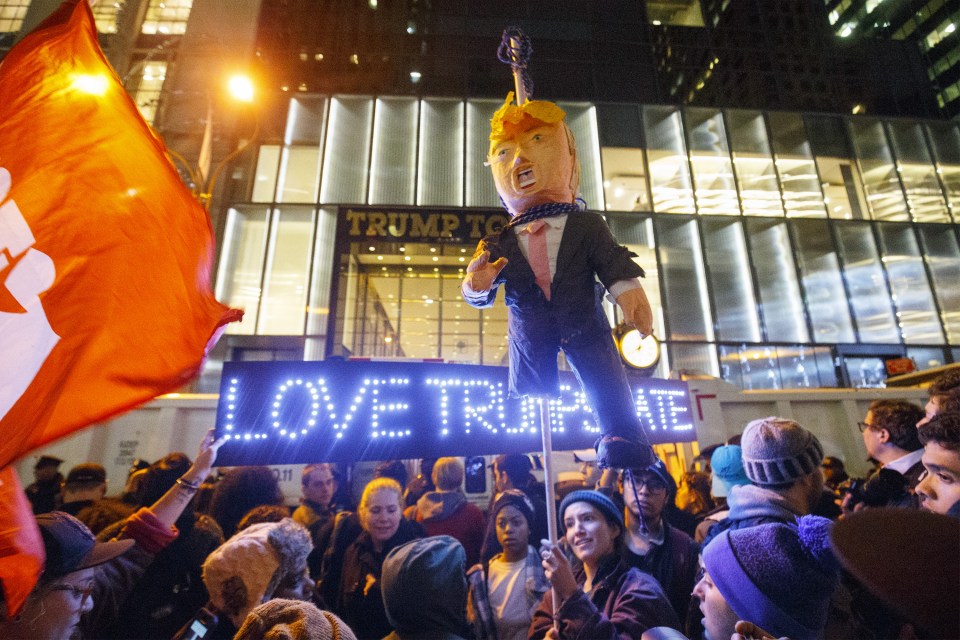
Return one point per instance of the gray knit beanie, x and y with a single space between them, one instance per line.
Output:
779 451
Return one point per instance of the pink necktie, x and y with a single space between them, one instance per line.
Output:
537 254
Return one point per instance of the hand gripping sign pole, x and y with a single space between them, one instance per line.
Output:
515 50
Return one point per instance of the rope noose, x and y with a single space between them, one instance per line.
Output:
516 50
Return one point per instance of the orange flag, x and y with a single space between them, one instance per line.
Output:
21 546
105 257
104 253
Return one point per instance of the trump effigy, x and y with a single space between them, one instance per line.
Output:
555 262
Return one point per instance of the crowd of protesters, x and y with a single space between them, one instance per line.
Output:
767 538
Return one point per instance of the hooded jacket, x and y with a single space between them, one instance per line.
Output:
449 513
623 604
424 590
751 505
358 600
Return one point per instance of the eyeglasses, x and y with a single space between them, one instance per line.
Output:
653 485
81 592
864 426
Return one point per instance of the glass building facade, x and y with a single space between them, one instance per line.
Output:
782 250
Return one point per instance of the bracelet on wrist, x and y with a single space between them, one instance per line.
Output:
186 484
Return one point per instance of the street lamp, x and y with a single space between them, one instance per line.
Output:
202 181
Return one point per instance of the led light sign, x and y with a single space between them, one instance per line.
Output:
345 411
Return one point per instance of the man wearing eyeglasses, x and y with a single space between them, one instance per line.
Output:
890 435
658 548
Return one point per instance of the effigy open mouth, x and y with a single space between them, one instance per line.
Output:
526 177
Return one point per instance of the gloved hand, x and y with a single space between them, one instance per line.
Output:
636 310
481 272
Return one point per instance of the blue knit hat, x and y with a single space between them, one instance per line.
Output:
726 464
596 499
778 576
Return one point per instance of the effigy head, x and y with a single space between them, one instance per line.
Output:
533 155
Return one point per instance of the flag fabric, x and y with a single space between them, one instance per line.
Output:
21 546
108 300
105 257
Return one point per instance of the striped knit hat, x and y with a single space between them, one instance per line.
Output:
777 451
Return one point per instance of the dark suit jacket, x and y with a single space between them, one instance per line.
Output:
573 317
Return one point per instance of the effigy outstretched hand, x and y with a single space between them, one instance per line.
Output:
481 272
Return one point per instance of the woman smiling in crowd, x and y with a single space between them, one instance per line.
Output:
384 527
603 598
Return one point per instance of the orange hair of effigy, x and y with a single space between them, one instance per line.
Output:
511 118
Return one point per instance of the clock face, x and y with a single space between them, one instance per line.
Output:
641 353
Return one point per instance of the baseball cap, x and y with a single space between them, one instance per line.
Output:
87 472
48 461
585 455
70 545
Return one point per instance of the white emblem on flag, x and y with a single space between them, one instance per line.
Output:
26 338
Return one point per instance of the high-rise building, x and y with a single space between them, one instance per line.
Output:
793 193
929 25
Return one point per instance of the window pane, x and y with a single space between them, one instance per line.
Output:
636 234
798 173
12 13
305 121
712 167
241 264
943 260
866 373
167 16
917 173
318 310
393 169
822 285
379 338
621 151
867 284
693 358
624 179
299 179
105 16
945 140
753 159
926 357
461 323
266 177
688 310
440 172
780 300
420 328
750 367
582 120
669 167
149 87
908 283
288 266
839 177
729 270
880 181
347 152
481 192
299 172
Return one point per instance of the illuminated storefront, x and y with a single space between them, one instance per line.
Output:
783 250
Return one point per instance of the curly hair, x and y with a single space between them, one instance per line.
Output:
946 385
944 429
241 489
899 418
